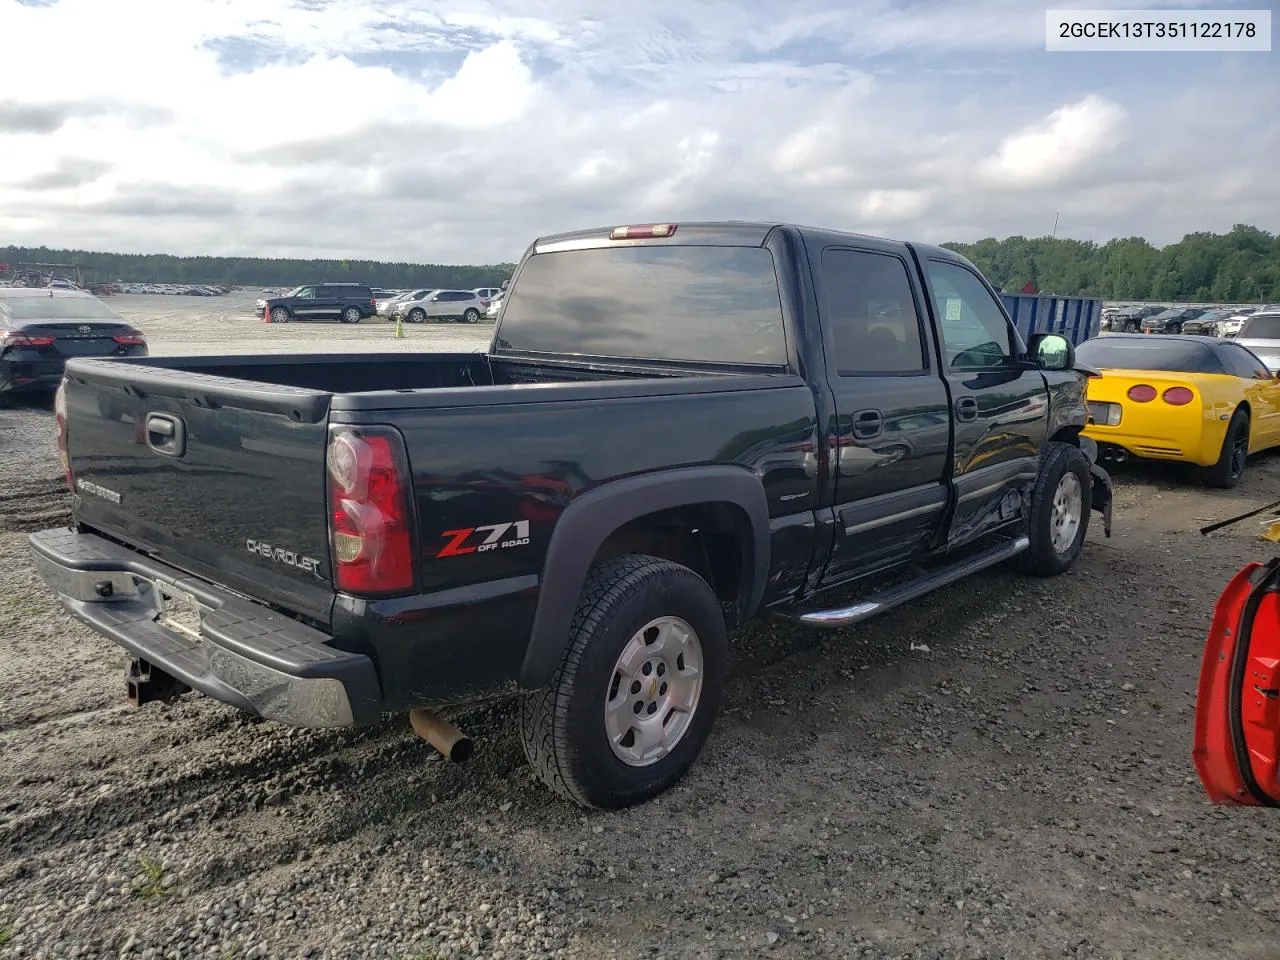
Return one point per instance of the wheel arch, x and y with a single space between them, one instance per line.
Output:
730 494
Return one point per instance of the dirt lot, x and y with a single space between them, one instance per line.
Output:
1022 788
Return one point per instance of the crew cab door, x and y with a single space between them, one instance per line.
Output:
1237 731
892 430
999 404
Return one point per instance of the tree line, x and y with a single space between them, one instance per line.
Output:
259 271
1241 266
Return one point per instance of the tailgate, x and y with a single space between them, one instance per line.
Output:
222 478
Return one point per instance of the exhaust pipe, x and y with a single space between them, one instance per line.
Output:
454 745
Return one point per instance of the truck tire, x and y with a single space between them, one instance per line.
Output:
1059 517
1228 471
634 699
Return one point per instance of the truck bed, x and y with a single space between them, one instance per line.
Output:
363 373
249 478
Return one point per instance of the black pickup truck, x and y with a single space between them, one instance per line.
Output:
677 427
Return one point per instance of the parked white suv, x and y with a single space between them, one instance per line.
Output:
461 305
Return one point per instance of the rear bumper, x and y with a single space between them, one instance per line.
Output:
247 655
18 375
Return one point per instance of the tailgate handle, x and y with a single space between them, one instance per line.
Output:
166 434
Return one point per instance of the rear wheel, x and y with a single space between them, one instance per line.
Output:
417 315
470 315
351 315
280 315
1234 457
635 697
1131 326
1060 505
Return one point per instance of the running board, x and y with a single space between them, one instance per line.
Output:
895 596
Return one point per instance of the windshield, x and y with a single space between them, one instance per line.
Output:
1265 327
704 304
1148 353
57 308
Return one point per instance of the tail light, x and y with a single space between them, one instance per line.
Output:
370 514
60 418
1178 396
1141 393
14 339
134 339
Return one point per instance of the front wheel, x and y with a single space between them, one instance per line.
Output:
351 315
1060 503
280 315
417 315
470 315
635 697
1234 457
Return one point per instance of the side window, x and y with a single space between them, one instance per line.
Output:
874 323
975 334
306 293
1244 364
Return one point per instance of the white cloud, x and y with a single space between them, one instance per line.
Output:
459 130
1063 144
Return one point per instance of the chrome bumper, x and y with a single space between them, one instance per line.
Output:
230 648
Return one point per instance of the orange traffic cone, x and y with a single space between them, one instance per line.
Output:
266 313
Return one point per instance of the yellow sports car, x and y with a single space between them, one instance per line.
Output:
1192 399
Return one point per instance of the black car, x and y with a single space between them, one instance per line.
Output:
348 302
1205 324
40 328
1169 321
1127 319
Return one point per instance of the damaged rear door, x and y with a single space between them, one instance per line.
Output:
1237 731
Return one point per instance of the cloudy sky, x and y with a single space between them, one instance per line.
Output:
455 131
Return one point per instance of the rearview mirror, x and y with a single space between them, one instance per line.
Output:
1052 351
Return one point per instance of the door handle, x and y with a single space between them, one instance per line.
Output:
867 424
966 409
166 434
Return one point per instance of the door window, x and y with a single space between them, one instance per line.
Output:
306 293
871 312
975 334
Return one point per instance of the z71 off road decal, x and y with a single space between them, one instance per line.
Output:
493 536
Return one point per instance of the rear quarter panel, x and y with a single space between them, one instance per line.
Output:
522 464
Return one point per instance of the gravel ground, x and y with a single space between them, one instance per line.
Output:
1021 788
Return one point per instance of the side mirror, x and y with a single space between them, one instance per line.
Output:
1052 351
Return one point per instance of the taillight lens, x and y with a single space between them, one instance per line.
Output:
1141 393
1178 396
130 340
15 339
370 518
60 418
